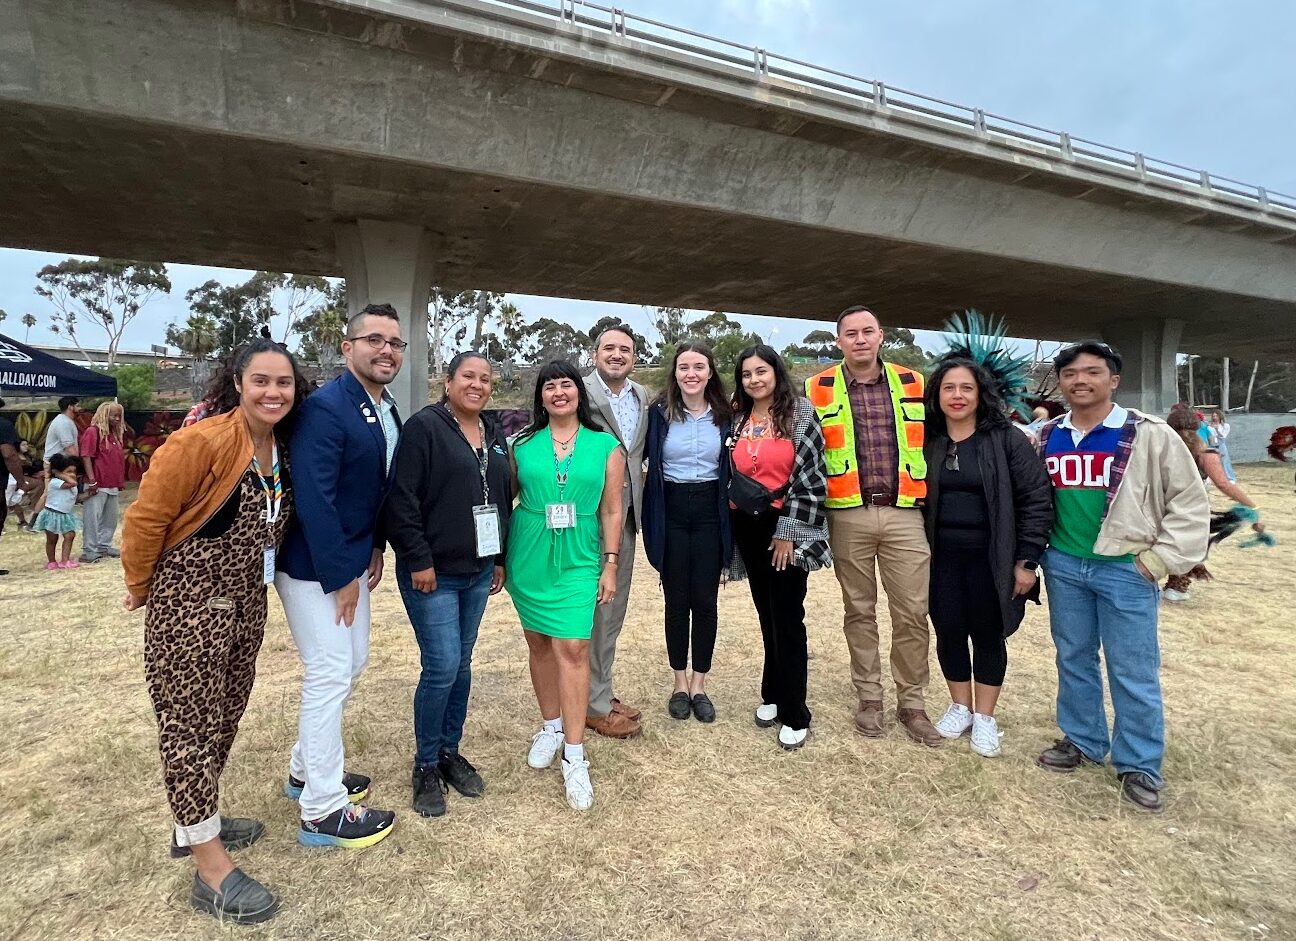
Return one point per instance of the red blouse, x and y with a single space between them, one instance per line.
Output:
767 460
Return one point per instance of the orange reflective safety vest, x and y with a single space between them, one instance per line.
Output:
827 393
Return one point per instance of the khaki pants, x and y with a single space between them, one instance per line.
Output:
893 538
608 619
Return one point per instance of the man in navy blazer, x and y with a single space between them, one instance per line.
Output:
340 459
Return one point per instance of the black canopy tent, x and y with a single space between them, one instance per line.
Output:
31 372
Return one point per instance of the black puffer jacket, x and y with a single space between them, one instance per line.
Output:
1019 498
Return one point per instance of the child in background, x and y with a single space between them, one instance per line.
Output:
16 499
57 518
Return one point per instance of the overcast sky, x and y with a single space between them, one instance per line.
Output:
1204 84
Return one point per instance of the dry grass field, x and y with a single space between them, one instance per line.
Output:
699 832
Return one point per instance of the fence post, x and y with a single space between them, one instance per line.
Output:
978 121
1205 180
879 94
1140 166
1263 196
1064 145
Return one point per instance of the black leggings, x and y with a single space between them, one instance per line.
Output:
964 604
780 605
691 572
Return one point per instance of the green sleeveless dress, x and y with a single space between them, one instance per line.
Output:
552 574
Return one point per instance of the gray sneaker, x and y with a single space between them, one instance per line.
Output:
111 553
240 899
88 558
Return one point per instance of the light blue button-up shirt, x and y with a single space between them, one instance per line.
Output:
691 452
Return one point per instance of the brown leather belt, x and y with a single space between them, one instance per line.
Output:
880 499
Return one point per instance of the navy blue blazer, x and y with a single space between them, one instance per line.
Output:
339 483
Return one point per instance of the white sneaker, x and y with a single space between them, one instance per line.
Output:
544 748
580 790
791 739
956 721
766 714
985 736
1171 594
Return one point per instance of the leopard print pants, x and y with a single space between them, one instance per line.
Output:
205 621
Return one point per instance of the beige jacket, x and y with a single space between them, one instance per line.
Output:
1160 511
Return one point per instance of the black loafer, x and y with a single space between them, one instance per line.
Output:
703 708
678 706
1138 789
236 833
240 899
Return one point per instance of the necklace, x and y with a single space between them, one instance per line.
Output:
564 445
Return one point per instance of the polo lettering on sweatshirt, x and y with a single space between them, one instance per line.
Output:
1080 475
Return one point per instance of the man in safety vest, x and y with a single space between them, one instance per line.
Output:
872 417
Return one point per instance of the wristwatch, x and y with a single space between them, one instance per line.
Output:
1028 565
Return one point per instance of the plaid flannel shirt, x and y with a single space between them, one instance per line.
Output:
803 519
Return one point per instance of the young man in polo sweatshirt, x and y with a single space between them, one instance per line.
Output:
1130 509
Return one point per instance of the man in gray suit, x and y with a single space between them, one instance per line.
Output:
621 406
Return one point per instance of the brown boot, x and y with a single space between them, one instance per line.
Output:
919 727
613 725
868 718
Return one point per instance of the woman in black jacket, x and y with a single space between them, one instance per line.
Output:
447 518
988 514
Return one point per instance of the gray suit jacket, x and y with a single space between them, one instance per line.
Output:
632 494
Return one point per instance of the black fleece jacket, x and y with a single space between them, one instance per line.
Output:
435 485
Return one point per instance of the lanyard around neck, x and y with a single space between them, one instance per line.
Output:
274 490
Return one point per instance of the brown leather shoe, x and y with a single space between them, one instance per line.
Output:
613 725
621 709
868 718
919 727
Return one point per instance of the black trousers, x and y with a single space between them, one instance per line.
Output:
691 572
780 605
965 606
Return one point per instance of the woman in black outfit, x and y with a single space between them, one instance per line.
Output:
777 442
988 514
686 517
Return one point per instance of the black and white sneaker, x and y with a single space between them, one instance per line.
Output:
357 787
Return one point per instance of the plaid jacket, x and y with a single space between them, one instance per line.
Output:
803 519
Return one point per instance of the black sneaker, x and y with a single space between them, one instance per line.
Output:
240 899
429 791
235 832
458 772
353 827
1139 789
357 787
1065 755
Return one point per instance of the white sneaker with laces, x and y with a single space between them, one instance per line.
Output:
956 721
1171 594
766 714
985 736
545 746
791 739
580 790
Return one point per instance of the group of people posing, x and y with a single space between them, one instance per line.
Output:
868 469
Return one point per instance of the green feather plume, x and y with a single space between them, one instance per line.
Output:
984 340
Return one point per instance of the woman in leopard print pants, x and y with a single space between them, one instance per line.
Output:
198 551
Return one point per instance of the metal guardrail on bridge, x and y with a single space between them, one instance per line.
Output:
876 96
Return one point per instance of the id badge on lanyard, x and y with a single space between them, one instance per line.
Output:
274 505
560 515
486 526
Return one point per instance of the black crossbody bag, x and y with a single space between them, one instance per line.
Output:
747 494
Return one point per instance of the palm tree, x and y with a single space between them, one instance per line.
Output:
28 321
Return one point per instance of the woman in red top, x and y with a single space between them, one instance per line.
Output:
778 444
104 457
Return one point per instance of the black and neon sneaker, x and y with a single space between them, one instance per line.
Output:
357 787
352 827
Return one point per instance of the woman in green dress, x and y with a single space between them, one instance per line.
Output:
564 538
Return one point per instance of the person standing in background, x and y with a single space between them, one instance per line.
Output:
620 405
103 456
62 436
1220 429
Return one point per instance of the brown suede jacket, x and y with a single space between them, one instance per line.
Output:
188 479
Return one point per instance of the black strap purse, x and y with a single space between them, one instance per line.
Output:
747 494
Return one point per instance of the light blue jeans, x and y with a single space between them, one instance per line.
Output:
1105 604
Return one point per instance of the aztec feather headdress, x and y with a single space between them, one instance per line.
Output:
984 340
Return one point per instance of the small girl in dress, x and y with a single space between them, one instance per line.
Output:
57 518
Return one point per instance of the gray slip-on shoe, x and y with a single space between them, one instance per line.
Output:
236 833
240 899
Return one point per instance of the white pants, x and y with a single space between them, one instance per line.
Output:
333 656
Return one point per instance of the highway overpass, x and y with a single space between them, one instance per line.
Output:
556 149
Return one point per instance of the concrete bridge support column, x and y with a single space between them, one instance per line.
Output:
391 263
1149 381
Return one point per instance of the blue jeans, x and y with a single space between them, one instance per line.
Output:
445 624
1107 604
